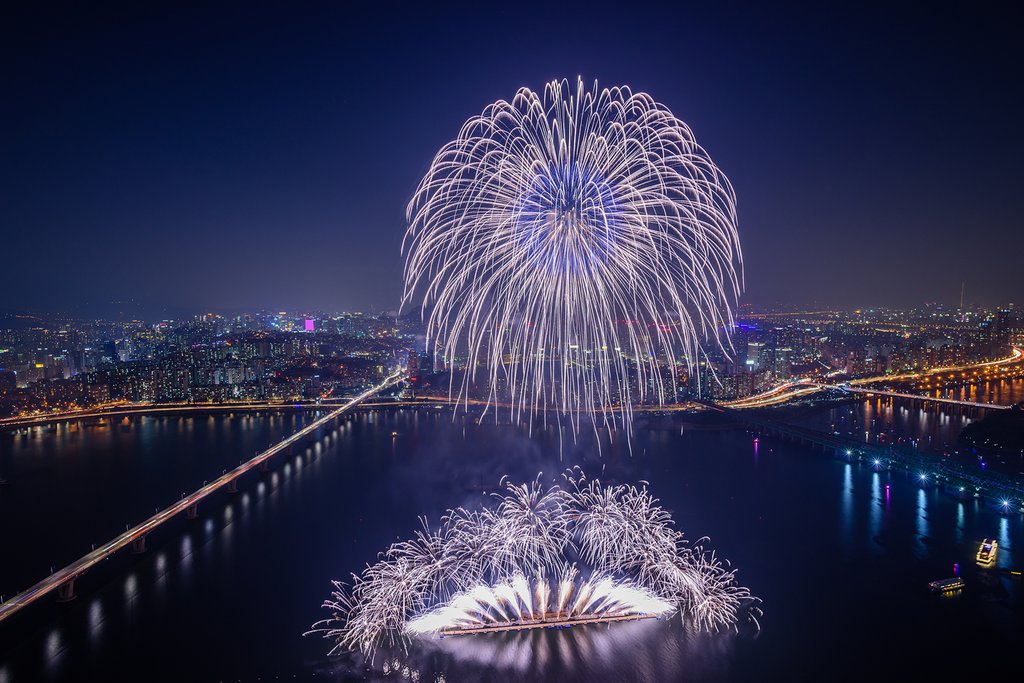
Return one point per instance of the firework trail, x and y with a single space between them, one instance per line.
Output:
535 554
580 246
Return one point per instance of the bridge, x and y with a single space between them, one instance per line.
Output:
791 390
963 480
132 409
63 580
918 397
124 409
805 387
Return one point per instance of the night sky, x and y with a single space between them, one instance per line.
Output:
245 156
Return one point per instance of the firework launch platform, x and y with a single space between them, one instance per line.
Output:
550 621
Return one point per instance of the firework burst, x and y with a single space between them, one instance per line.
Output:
537 554
580 246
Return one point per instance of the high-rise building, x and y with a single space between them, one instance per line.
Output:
8 381
781 366
754 350
412 367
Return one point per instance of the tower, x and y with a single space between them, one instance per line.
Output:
412 368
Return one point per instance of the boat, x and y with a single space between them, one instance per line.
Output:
987 552
950 585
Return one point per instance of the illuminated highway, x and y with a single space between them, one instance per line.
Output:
797 388
1017 355
75 569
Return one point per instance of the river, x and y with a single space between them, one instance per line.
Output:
839 553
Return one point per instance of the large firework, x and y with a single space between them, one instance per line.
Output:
536 555
580 246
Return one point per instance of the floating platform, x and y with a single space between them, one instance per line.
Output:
550 621
949 585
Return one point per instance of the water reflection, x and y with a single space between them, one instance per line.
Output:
131 588
227 533
846 517
95 621
935 427
958 532
1005 552
161 574
875 514
922 523
647 651
53 650
186 555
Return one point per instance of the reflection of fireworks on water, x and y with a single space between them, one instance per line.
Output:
631 652
611 551
578 244
634 651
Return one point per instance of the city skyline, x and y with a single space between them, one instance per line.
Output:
220 159
52 364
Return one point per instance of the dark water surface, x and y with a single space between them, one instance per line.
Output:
934 428
839 553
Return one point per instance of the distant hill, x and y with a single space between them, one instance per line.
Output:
1003 429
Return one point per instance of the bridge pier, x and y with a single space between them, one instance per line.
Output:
264 466
192 511
66 591
233 486
139 545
